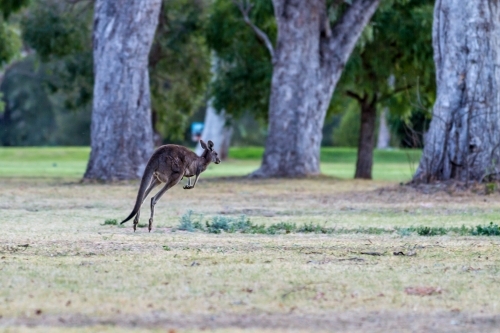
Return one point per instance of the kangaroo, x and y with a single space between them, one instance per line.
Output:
169 164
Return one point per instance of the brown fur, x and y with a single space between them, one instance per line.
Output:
169 164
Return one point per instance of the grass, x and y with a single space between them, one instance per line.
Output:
70 162
234 255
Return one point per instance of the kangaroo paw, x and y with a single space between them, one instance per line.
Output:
150 226
187 187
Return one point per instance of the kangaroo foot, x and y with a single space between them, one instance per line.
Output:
136 221
150 224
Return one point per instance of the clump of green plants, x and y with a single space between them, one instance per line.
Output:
312 228
490 188
190 221
282 226
242 224
431 231
110 222
229 224
487 230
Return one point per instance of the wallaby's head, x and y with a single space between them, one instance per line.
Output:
209 151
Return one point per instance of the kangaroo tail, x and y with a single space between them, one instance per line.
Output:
145 181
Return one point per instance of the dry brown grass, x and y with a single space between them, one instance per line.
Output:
77 275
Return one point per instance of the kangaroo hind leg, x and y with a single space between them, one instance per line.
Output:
154 182
176 178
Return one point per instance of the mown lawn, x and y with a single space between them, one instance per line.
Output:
354 260
70 162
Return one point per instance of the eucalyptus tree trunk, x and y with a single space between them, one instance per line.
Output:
217 130
463 140
121 132
308 61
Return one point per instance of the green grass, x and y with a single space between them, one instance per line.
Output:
338 155
70 162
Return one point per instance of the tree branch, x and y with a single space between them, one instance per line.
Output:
347 29
396 91
244 6
354 95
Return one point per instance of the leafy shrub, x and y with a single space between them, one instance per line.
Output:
488 230
218 224
190 221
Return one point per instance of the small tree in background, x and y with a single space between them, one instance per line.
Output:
391 66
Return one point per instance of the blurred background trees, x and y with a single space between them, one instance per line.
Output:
47 74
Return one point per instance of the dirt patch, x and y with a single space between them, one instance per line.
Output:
330 321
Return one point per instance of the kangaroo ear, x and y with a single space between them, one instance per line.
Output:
203 144
210 145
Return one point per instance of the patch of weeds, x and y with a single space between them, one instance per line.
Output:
309 228
431 231
404 232
110 222
218 224
282 226
166 248
231 224
462 231
191 221
240 224
142 225
487 230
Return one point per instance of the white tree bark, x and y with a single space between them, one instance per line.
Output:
384 135
308 61
463 140
121 132
215 129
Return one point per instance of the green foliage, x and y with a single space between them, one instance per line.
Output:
409 129
10 43
8 7
487 230
243 69
190 221
55 29
347 133
61 35
242 224
397 43
110 222
28 117
179 66
32 116
431 231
